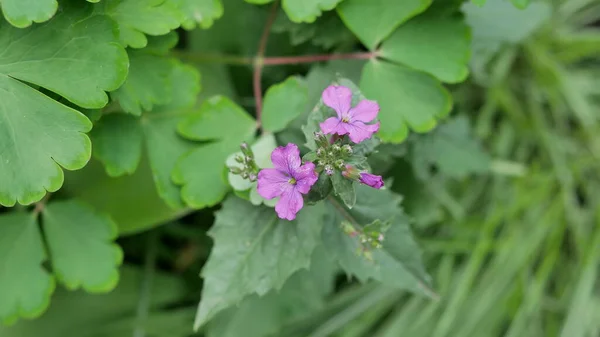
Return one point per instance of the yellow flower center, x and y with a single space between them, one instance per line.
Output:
345 119
292 181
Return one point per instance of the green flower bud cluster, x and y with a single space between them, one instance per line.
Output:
331 157
248 169
369 237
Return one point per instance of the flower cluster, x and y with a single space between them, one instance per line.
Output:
290 179
248 169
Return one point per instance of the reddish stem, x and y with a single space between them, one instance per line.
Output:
317 58
258 63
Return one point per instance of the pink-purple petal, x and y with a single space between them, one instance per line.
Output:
272 183
306 177
289 204
372 180
339 98
332 125
365 111
286 158
359 131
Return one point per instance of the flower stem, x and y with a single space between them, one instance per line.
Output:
258 64
269 61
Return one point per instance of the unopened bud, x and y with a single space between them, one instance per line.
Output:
252 177
320 152
245 175
239 159
339 164
321 163
246 150
347 149
328 170
336 148
235 170
321 139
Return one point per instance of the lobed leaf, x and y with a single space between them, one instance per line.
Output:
372 21
80 242
25 286
254 252
22 13
283 103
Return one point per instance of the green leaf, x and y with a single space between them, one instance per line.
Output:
320 190
226 126
372 21
198 12
80 242
262 149
398 263
283 103
452 149
74 42
117 140
138 18
344 188
147 83
22 13
26 285
254 252
408 98
39 133
307 10
522 4
327 32
439 46
302 293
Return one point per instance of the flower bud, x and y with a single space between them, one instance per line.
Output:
339 164
252 177
328 170
246 150
235 170
321 163
372 180
320 152
351 172
239 159
347 149
321 139
336 148
245 175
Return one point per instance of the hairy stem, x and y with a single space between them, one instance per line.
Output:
258 64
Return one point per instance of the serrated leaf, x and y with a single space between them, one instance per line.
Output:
226 126
408 99
138 18
117 140
307 10
440 46
25 285
119 136
147 83
198 12
398 263
22 13
451 148
254 252
283 103
80 242
344 188
372 21
302 293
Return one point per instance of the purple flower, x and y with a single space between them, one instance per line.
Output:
288 180
351 121
372 180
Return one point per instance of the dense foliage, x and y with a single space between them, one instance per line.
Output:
298 155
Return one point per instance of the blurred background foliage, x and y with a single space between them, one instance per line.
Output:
506 210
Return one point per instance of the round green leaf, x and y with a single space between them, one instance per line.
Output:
438 46
372 21
81 245
198 12
408 98
21 13
25 285
307 10
117 140
283 103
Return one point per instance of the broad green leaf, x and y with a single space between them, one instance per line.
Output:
147 84
25 285
327 32
22 13
262 149
74 42
284 102
438 46
119 137
254 252
307 10
226 126
320 190
80 242
451 148
39 133
398 263
138 18
372 21
408 99
198 12
117 140
344 188
521 3
302 293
